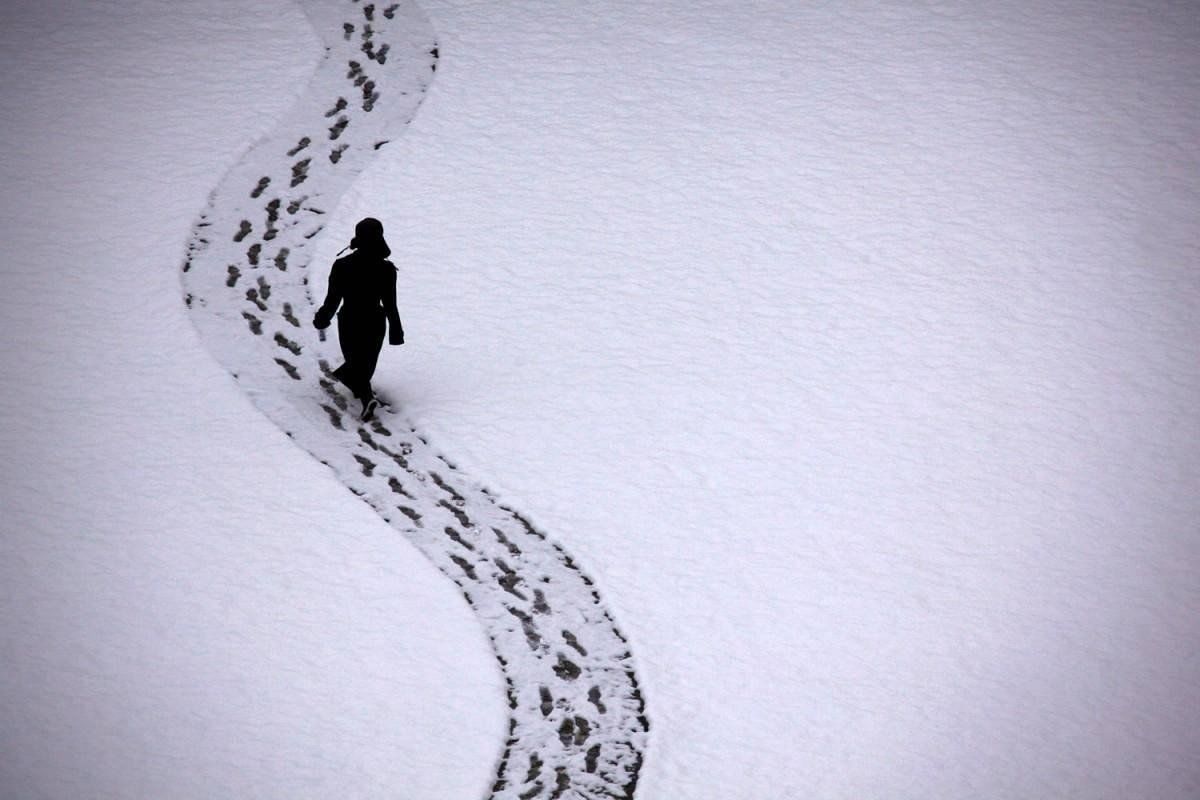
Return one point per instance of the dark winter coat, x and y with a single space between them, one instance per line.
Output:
363 285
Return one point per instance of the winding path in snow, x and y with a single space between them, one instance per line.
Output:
577 726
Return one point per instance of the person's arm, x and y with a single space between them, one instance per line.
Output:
333 298
395 329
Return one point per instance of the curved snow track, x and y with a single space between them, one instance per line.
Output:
577 726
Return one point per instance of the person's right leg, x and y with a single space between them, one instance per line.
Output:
369 345
361 339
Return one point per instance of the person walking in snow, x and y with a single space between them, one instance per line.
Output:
364 285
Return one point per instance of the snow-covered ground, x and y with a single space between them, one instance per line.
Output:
192 607
851 348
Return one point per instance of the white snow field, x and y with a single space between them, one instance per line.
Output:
192 606
851 348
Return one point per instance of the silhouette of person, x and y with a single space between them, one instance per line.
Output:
364 285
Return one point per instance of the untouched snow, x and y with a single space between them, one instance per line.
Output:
852 348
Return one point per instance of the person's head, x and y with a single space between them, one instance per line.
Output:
368 238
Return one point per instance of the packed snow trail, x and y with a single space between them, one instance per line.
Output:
577 726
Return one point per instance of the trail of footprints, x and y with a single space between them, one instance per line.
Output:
577 725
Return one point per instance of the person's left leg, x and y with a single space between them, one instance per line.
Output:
361 338
362 356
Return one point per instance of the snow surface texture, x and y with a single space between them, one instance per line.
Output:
578 726
189 607
855 344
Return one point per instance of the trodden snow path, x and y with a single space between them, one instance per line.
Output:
577 726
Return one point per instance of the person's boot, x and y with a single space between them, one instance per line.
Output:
369 406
